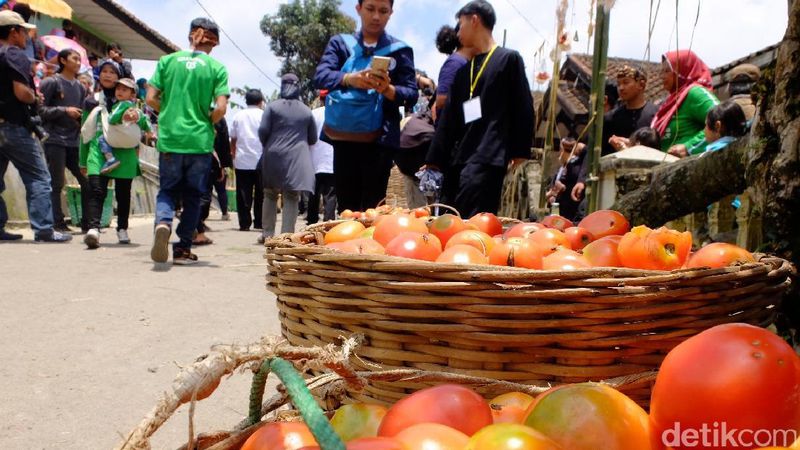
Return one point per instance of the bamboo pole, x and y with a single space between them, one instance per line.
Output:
599 65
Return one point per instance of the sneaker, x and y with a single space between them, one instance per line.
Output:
6 236
226 217
160 251
122 236
109 165
92 238
63 228
183 257
52 236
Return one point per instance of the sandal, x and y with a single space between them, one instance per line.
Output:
205 241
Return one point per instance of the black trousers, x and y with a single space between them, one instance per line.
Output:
58 159
98 186
361 172
221 187
249 197
473 188
325 190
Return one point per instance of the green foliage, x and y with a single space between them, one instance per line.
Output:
299 33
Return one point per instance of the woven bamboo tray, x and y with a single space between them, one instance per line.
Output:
525 326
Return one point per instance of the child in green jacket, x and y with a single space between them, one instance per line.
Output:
126 99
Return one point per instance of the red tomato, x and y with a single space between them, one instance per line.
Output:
280 436
462 254
719 254
565 259
510 436
605 223
432 436
524 229
578 237
362 246
445 226
549 240
590 416
344 232
603 252
391 226
422 212
357 420
475 238
560 223
739 375
488 223
517 252
446 404
510 407
370 443
410 244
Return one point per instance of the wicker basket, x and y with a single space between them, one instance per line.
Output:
526 326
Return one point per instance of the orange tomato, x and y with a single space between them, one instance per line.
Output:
344 232
488 223
510 407
605 222
719 254
661 249
370 443
475 238
462 254
517 252
280 436
590 416
445 226
603 252
565 259
347 214
578 237
368 233
550 240
410 244
422 212
357 420
363 246
389 227
510 436
524 229
432 436
560 223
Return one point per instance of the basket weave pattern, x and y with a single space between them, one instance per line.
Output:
527 326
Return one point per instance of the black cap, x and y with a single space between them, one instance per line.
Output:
206 24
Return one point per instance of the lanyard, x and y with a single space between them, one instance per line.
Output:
474 80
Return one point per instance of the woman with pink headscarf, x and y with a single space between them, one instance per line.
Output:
681 118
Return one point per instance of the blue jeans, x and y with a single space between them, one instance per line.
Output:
184 178
20 148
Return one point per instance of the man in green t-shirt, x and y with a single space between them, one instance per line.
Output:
190 90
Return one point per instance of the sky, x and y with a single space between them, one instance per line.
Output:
719 31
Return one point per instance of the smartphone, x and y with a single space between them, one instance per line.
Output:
380 63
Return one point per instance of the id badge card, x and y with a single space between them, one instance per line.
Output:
472 110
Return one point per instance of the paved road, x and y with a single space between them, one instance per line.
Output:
91 338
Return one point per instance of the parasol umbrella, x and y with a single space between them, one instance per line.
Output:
53 8
58 43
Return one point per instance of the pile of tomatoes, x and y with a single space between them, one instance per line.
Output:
602 239
730 377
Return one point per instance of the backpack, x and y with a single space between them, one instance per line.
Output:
356 114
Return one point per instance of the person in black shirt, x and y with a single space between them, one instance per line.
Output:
17 144
488 120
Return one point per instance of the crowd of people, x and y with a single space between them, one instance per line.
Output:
453 140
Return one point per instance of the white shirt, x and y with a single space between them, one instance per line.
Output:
321 152
245 130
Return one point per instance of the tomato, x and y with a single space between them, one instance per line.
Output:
280 436
389 227
432 436
488 223
347 214
510 436
560 223
410 244
446 404
549 240
370 443
368 233
462 254
371 213
565 259
357 420
603 252
590 416
510 407
503 252
524 229
475 238
517 252
344 232
422 212
445 226
661 249
719 254
605 222
578 237
739 375
363 247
